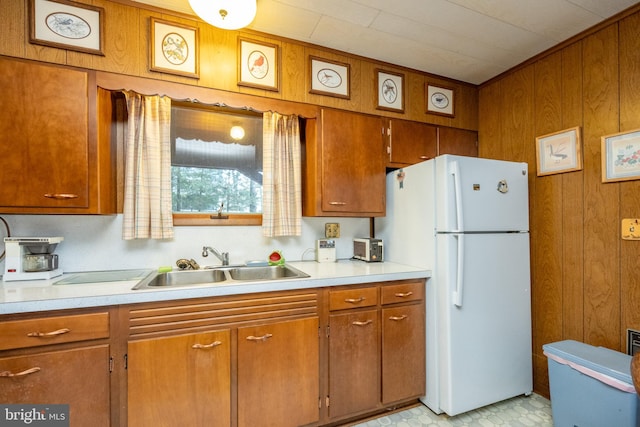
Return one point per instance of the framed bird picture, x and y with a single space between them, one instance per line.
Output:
390 89
258 64
329 77
174 48
559 152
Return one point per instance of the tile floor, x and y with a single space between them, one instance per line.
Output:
521 411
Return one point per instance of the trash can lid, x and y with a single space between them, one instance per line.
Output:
600 359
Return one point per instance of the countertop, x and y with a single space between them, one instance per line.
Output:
45 295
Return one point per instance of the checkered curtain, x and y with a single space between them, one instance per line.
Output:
281 170
147 191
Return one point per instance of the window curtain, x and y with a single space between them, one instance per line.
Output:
147 189
281 182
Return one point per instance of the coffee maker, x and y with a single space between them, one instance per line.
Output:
31 258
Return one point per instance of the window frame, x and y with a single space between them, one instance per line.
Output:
212 218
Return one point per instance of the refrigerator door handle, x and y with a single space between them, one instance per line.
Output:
457 293
455 171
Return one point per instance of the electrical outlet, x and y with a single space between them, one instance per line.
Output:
332 230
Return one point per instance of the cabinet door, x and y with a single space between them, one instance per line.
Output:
457 141
79 378
411 142
180 381
353 163
354 362
44 152
403 352
278 374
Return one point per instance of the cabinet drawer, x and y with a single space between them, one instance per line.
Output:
353 298
53 330
403 292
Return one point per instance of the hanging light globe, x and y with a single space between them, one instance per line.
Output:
226 14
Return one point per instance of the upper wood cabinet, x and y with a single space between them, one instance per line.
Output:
344 165
49 152
410 142
457 141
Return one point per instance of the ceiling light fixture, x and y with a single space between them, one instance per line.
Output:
237 132
226 14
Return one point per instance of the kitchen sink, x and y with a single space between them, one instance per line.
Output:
219 275
265 273
183 278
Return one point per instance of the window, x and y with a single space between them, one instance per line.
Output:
216 165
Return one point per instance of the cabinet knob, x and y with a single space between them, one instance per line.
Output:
61 196
49 334
9 374
205 346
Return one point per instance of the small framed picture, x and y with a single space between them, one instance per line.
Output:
258 64
440 100
390 89
621 156
329 77
174 48
559 152
66 25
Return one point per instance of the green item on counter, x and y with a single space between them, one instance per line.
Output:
165 269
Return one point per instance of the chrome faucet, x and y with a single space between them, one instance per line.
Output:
222 256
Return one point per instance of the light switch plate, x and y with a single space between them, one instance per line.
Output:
630 229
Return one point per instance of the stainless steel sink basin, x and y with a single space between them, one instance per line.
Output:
219 275
183 278
265 273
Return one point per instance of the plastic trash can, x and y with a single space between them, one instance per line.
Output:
590 386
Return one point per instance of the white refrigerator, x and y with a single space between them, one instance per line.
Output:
467 220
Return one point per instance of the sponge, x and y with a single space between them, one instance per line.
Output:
165 269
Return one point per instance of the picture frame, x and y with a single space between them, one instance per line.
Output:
67 25
621 156
174 48
258 64
390 90
559 152
440 99
330 78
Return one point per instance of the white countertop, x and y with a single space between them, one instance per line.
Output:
44 295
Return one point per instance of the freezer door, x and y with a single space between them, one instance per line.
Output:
484 319
474 194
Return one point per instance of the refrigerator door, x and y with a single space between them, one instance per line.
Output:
484 339
474 194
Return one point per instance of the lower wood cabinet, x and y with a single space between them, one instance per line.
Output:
278 374
354 362
58 360
181 380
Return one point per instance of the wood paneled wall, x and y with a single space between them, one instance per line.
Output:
585 278
126 49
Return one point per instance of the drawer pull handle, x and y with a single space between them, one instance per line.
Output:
354 300
337 203
398 318
49 334
205 346
360 323
61 196
262 338
9 374
405 294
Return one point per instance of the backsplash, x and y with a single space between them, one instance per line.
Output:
95 242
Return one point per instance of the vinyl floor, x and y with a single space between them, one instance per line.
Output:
533 410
